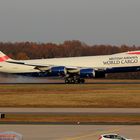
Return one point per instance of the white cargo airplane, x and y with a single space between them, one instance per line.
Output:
73 69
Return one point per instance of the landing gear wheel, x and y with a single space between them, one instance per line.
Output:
74 80
66 81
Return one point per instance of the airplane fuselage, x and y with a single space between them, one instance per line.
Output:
102 62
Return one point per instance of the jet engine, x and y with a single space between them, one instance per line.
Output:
91 73
58 71
87 73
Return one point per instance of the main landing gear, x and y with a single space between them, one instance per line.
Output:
74 80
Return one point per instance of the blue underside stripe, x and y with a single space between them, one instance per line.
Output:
123 69
109 70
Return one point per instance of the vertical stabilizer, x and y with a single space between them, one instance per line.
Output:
3 57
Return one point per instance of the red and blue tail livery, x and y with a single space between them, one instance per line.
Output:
3 57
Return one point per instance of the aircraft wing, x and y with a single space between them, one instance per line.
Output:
71 74
46 67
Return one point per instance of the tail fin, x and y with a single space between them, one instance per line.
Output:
3 57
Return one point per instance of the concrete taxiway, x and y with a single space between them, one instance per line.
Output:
71 110
71 132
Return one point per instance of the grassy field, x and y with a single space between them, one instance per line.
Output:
60 95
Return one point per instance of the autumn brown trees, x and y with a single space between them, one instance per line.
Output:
32 50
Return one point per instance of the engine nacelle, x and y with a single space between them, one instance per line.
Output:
58 71
91 73
87 73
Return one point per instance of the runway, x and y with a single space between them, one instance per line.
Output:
63 83
71 132
71 110
36 81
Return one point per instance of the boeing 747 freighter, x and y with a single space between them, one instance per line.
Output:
73 69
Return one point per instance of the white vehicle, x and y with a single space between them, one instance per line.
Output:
73 69
112 137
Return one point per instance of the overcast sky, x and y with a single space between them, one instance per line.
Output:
91 21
